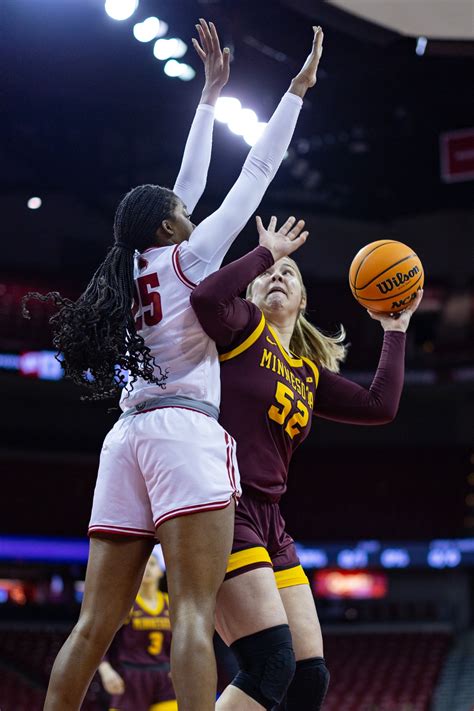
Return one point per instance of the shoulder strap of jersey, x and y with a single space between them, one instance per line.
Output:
245 345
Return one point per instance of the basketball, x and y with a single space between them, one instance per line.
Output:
385 276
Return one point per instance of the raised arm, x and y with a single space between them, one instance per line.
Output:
210 241
342 400
192 177
224 316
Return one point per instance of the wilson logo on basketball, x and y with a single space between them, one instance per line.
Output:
397 280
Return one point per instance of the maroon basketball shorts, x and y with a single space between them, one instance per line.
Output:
147 688
260 541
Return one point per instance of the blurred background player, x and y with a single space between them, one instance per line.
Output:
276 370
136 669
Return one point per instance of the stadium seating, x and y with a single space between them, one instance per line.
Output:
26 658
455 689
383 672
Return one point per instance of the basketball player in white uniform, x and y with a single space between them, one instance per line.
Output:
167 468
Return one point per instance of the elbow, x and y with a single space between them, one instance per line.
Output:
258 169
386 415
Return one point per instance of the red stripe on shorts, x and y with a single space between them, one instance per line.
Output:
229 459
120 530
186 510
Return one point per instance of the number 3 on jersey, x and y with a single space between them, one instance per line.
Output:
285 397
147 301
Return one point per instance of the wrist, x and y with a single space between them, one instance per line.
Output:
299 87
393 328
210 94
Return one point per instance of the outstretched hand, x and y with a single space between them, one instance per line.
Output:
400 321
286 240
307 76
216 62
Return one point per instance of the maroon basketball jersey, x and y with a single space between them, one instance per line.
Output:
145 638
267 406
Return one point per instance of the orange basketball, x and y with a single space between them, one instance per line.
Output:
385 276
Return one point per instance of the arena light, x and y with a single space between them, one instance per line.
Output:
243 121
421 45
252 135
187 73
172 48
149 29
120 9
226 108
177 70
172 68
34 203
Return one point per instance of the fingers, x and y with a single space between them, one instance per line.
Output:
202 55
226 59
214 38
286 227
416 302
318 40
272 224
293 234
204 36
260 227
298 242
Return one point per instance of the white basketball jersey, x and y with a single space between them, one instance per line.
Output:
170 329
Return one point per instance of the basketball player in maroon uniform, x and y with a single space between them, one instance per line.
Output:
136 670
276 371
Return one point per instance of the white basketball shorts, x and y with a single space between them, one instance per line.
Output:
160 464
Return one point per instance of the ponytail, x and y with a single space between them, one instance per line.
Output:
308 341
95 336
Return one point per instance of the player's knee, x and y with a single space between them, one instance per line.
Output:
309 686
267 664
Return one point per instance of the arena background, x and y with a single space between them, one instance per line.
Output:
384 148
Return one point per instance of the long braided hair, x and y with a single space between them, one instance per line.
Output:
96 336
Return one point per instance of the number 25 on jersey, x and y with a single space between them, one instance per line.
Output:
147 301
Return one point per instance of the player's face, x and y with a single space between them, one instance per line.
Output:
279 289
153 571
181 223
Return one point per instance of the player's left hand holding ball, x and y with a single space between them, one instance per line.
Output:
399 321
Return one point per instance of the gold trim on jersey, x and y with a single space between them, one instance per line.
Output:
164 706
160 603
295 362
314 368
249 341
240 559
290 577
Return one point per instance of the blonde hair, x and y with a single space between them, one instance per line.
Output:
308 341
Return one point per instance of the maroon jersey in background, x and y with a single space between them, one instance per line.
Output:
268 398
140 653
145 638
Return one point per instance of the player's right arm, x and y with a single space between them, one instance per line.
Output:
111 679
222 314
210 241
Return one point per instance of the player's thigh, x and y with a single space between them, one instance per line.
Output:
249 603
303 619
114 573
196 549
